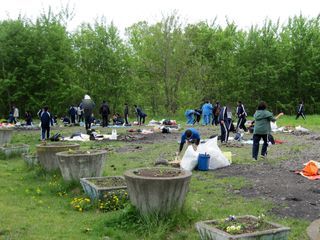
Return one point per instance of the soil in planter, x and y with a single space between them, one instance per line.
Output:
109 182
71 151
158 172
247 225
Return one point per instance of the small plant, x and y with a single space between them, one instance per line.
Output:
113 200
81 204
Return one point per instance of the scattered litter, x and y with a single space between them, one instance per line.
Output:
311 170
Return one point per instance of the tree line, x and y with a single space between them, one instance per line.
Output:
166 67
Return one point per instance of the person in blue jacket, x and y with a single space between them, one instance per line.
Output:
190 116
206 113
191 136
224 124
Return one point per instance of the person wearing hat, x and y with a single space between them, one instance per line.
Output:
88 106
191 136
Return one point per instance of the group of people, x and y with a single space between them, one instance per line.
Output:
261 129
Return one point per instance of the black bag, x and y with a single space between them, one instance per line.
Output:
165 130
55 137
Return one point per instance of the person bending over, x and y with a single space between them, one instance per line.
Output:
191 136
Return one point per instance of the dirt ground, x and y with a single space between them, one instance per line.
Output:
293 195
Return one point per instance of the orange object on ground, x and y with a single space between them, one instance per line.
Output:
311 170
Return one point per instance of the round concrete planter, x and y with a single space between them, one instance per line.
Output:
207 231
5 135
157 194
47 153
81 164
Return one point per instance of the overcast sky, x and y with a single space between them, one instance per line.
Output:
126 12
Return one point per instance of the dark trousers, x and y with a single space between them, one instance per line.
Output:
142 120
80 118
105 121
87 120
224 131
73 119
255 146
126 119
215 120
240 124
44 130
302 115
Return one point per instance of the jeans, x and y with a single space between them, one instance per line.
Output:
255 146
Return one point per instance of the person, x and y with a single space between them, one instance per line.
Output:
28 118
300 111
197 116
224 124
72 113
46 121
88 106
190 116
141 114
241 114
126 113
11 118
230 122
117 119
80 113
206 113
191 136
262 129
66 120
216 112
105 111
15 114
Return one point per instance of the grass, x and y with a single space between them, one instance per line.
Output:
36 205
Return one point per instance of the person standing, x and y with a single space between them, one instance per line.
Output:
72 113
207 112
80 113
105 111
241 114
300 111
262 129
15 114
224 124
46 121
126 113
216 112
191 136
88 106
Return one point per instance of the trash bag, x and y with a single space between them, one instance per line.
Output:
190 159
217 159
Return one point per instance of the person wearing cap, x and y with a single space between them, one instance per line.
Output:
191 136
88 106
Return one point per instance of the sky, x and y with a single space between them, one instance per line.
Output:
124 13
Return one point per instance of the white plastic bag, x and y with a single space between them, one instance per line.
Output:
190 159
217 159
114 134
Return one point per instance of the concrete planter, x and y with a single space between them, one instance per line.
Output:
30 160
47 153
97 187
11 150
153 193
81 164
207 231
5 135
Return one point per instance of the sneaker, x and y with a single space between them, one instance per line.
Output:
254 159
263 156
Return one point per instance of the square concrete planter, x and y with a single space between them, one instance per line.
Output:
208 231
12 150
97 187
80 164
5 135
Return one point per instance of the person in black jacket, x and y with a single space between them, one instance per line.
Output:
300 111
105 111
241 114
87 105
224 124
126 113
73 113
46 121
142 115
